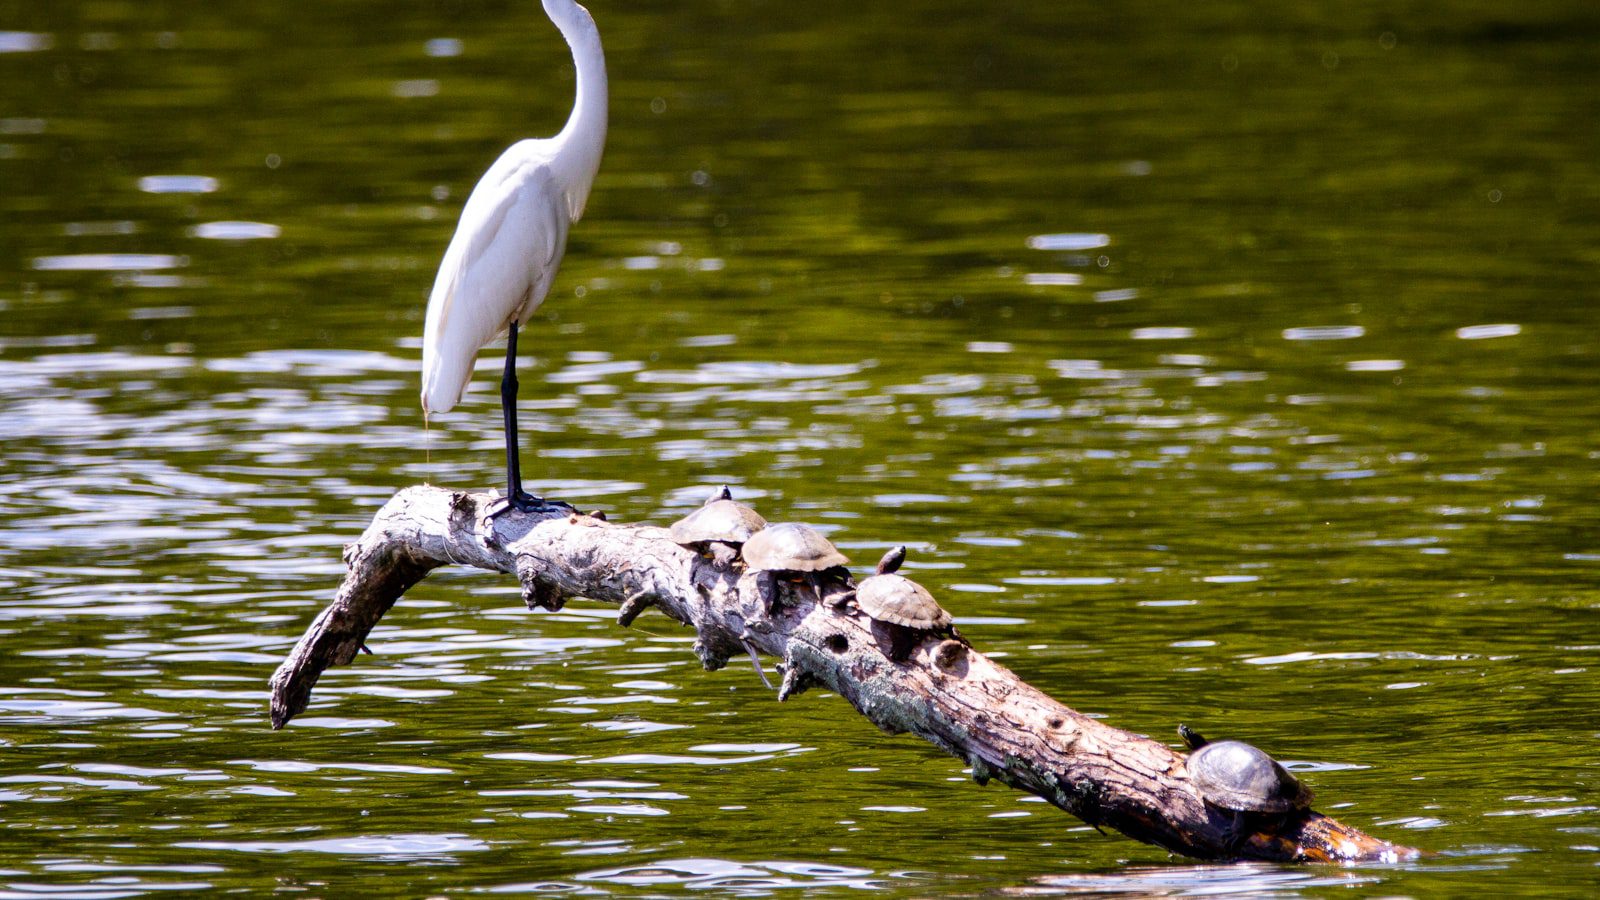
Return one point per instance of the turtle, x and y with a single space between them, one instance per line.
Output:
904 606
1236 777
718 527
794 548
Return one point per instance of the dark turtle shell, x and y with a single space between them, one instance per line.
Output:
898 600
790 547
1234 775
720 519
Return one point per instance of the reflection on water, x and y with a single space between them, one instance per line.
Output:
736 879
1226 370
1194 881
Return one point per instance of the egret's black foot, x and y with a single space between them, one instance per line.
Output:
526 503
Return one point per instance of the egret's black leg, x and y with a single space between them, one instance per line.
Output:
515 498
515 495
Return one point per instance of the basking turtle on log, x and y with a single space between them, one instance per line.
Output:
1244 780
789 548
905 607
964 703
718 528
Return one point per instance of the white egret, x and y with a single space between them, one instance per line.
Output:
509 242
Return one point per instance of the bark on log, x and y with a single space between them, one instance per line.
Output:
946 693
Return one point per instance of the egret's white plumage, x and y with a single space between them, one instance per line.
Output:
513 229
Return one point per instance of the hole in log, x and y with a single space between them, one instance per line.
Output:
838 643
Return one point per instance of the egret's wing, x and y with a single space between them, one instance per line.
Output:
499 264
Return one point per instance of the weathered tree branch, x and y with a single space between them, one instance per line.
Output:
945 693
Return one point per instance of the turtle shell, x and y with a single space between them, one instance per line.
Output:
898 600
719 520
790 547
1237 776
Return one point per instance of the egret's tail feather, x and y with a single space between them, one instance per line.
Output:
444 381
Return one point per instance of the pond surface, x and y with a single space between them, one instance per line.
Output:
1220 364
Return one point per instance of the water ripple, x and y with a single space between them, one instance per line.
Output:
1241 879
1052 279
30 710
178 184
25 41
1485 332
1162 333
108 262
1068 241
736 878
235 231
749 372
443 48
1324 333
386 846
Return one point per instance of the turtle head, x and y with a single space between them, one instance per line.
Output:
1193 738
891 561
722 493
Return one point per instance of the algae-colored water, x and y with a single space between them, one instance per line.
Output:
1221 363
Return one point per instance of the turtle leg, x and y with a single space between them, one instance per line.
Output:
1237 832
901 640
814 579
773 603
723 554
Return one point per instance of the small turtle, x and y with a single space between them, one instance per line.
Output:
718 527
900 603
1241 779
794 548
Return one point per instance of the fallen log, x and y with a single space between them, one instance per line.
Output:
945 692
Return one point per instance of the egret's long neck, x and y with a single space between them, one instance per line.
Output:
584 136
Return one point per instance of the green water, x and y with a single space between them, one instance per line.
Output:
1220 363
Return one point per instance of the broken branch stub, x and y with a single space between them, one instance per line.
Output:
944 692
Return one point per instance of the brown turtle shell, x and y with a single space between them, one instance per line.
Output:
721 519
790 547
1237 776
898 600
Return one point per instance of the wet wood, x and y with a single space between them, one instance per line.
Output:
945 692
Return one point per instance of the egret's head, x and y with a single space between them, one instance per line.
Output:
566 13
